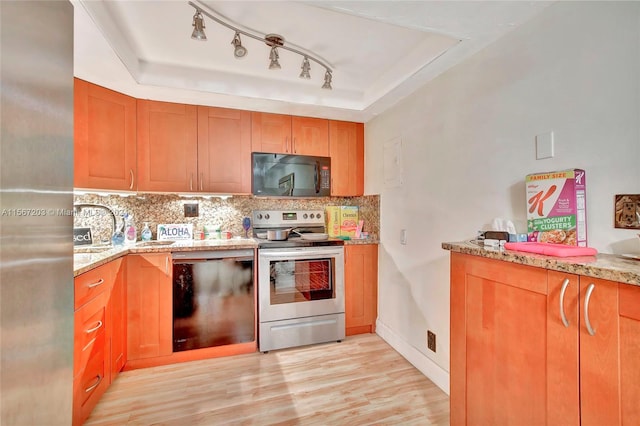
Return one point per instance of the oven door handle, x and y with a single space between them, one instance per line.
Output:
299 254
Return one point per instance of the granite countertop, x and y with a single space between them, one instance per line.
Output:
83 262
606 266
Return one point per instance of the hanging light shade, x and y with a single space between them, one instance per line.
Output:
327 81
273 56
239 50
198 27
306 66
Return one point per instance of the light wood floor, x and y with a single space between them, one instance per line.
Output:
361 381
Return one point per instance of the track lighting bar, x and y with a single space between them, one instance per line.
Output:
272 40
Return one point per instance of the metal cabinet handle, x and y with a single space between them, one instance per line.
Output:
286 144
191 182
166 266
132 179
294 146
91 330
95 385
96 284
586 309
201 181
565 284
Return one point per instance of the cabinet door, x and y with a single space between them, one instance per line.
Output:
167 146
270 133
609 362
104 138
310 136
118 319
361 288
224 150
346 149
500 338
149 306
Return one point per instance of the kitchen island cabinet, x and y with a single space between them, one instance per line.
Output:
104 138
285 134
224 150
346 149
522 350
361 288
167 146
149 306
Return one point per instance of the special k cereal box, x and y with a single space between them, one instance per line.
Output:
342 221
557 207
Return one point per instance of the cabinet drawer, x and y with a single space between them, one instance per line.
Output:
89 331
90 385
92 283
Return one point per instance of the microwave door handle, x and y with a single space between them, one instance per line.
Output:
317 177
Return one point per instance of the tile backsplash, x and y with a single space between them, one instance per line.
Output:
227 213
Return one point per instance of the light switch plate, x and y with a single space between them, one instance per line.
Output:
544 145
627 211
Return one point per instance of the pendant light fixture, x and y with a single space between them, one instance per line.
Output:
274 41
198 27
239 51
306 66
327 80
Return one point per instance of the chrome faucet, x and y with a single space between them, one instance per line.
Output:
77 208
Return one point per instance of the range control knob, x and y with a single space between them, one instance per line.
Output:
266 216
259 216
312 215
319 215
304 216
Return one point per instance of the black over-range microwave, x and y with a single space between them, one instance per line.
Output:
286 175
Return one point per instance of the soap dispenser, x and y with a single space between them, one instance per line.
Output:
146 232
117 239
130 230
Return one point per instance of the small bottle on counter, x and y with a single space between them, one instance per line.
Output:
146 232
130 234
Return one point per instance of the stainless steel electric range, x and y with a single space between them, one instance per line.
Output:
300 281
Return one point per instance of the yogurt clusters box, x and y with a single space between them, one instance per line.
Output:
556 207
342 221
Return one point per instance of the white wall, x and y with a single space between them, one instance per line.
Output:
468 140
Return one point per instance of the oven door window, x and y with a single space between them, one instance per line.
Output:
293 281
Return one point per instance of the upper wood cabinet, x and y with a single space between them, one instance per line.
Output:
284 134
104 138
346 148
224 150
167 147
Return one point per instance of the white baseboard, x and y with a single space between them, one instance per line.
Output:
433 371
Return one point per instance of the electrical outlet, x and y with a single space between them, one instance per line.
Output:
191 210
627 211
431 340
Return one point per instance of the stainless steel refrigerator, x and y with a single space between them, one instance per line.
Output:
36 196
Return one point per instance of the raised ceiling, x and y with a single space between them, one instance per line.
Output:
380 51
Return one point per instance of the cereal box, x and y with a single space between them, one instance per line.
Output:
556 207
341 221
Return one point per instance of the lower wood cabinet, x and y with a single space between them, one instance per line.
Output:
538 347
98 329
149 306
361 288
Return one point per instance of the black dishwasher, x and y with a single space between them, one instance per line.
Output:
213 299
